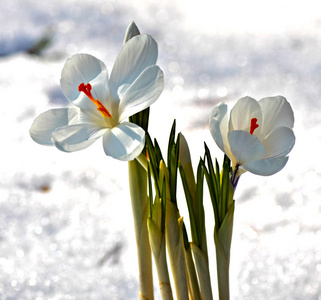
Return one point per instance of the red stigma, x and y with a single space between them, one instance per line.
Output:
86 89
254 125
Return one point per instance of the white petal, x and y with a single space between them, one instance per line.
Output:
132 30
242 113
277 112
136 55
279 142
84 68
266 167
76 137
245 147
144 91
218 125
47 122
124 142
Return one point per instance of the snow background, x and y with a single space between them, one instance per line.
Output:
66 229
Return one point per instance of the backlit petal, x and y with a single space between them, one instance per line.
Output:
47 122
136 55
244 110
245 147
218 125
124 142
76 137
266 167
277 112
84 68
279 142
144 91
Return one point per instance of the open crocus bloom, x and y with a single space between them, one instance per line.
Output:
100 105
257 137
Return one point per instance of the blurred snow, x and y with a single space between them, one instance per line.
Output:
65 219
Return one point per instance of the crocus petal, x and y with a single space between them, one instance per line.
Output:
245 147
76 137
244 110
136 55
266 167
144 91
84 68
277 112
46 123
124 142
279 142
218 125
132 30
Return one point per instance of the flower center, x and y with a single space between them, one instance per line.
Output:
86 89
254 125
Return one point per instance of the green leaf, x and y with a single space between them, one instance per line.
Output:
185 237
191 211
172 161
153 163
141 119
163 203
211 179
200 216
150 191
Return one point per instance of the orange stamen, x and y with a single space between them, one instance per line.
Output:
253 125
86 89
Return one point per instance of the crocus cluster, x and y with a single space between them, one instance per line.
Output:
256 136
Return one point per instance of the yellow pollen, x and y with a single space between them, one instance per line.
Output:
86 89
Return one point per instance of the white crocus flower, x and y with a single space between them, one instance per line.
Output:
257 137
100 105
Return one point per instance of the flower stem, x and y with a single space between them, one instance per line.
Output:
140 208
193 286
157 239
201 262
222 240
175 251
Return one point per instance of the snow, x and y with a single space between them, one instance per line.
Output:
66 229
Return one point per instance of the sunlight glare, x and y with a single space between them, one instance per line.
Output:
250 16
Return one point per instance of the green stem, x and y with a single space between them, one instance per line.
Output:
175 251
222 240
201 262
140 207
143 161
157 239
